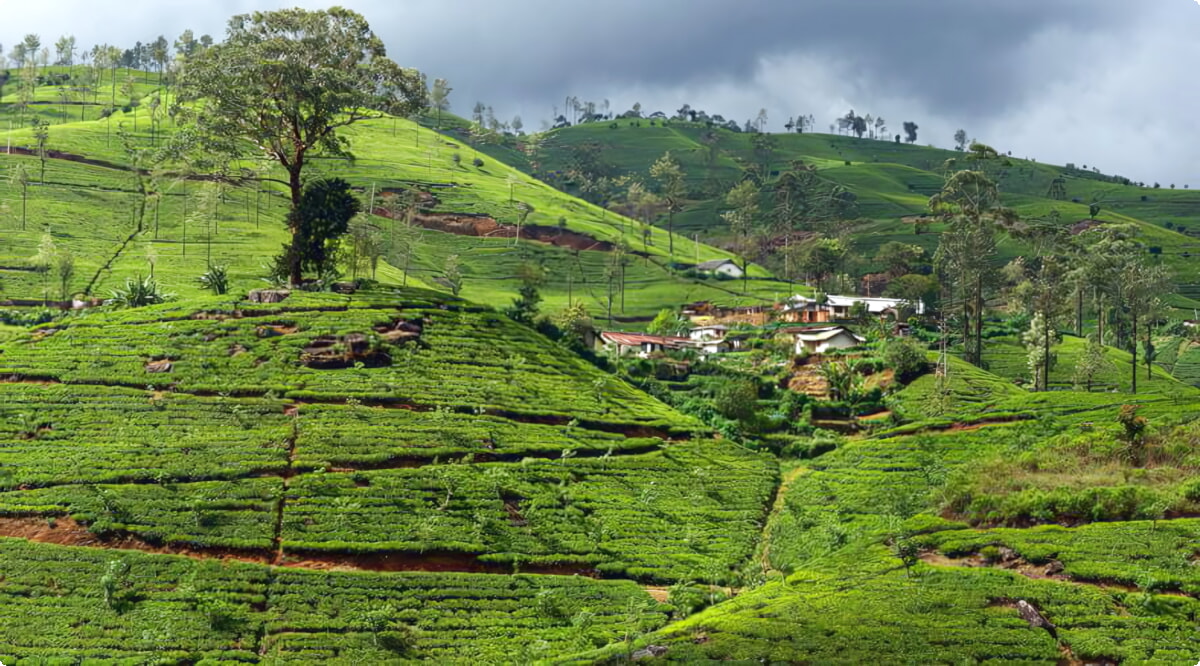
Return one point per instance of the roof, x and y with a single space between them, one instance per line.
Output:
823 334
874 305
638 339
713 264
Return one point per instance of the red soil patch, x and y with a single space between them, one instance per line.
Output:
446 562
487 227
66 532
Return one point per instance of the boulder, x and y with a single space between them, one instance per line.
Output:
649 652
1035 618
267 295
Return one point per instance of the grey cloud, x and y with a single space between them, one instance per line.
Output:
1012 72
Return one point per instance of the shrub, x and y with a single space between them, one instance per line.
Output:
456 158
478 162
737 399
906 357
216 279
138 292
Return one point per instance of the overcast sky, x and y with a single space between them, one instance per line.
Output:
1107 83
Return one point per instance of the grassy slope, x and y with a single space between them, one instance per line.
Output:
88 210
891 181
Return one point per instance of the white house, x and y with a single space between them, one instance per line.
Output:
723 266
713 332
839 306
821 340
641 345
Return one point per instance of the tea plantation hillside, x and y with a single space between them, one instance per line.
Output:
313 456
84 201
887 185
923 543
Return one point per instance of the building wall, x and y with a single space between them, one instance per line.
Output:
837 342
732 270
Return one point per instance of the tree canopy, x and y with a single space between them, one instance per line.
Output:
282 84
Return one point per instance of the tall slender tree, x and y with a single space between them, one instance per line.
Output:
1141 286
672 188
969 203
742 201
439 97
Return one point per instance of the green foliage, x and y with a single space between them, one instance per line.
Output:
321 219
667 322
139 292
906 357
183 609
216 279
736 399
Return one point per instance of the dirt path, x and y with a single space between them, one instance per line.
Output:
657 593
1052 570
63 531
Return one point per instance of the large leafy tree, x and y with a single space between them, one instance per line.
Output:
324 214
283 83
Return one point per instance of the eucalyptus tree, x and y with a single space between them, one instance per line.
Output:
969 203
673 189
1141 287
743 203
18 175
439 97
283 83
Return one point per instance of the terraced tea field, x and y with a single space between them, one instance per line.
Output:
392 474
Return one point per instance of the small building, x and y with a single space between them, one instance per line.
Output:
711 332
803 310
839 306
708 347
720 266
640 344
821 340
738 340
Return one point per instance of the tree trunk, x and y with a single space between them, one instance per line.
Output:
295 186
979 319
1079 312
1149 362
1133 318
1046 337
671 233
968 356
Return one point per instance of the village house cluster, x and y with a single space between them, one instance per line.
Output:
713 329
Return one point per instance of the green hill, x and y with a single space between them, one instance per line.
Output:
382 431
888 181
86 204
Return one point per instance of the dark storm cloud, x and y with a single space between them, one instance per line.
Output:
1098 81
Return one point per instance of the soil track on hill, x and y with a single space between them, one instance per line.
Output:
64 531
483 226
1052 570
